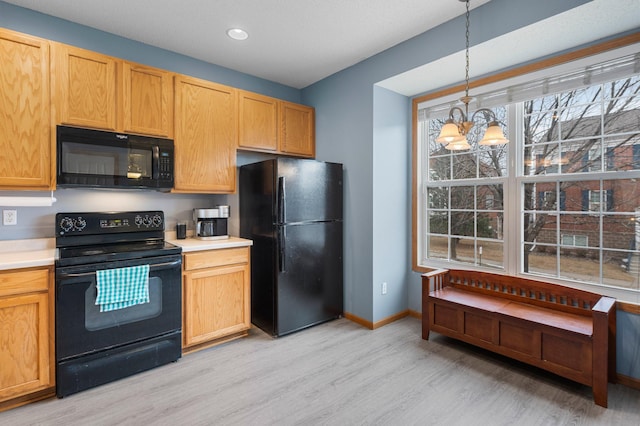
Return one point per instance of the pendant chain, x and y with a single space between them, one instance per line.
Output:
466 89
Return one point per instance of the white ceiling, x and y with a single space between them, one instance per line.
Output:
293 42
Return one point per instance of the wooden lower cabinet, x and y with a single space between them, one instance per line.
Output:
26 336
216 297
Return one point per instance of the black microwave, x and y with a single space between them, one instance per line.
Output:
98 159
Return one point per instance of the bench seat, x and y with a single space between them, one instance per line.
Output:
566 331
552 318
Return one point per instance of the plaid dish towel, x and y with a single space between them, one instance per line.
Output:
122 287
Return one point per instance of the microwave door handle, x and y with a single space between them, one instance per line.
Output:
156 161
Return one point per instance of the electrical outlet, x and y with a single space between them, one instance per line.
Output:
9 217
384 288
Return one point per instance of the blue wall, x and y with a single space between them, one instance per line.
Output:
345 131
366 128
391 201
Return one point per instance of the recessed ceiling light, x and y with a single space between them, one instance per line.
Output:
237 34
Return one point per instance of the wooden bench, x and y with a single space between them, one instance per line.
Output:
563 330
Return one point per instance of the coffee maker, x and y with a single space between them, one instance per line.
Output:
211 224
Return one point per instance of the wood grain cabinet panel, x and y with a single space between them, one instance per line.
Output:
206 136
26 150
216 299
84 87
297 129
26 336
147 100
258 122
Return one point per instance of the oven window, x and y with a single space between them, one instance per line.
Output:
96 320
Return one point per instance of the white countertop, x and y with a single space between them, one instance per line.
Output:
16 254
194 244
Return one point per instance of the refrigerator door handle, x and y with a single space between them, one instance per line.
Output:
282 212
282 236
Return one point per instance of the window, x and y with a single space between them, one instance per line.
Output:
561 200
575 240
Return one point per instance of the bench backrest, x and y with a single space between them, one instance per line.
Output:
523 290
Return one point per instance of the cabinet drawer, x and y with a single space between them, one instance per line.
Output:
213 258
24 281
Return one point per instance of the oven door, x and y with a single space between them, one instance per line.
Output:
82 329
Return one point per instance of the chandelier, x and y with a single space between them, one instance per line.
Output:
454 132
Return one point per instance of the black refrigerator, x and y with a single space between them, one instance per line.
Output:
292 210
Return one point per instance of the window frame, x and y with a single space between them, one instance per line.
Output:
611 49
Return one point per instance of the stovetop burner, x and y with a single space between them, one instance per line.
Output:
84 238
81 255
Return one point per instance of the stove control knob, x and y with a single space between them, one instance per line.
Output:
79 224
66 224
138 220
146 221
157 220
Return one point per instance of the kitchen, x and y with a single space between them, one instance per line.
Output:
387 167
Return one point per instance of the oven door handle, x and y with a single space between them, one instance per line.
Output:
151 268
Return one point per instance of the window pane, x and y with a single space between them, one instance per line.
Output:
440 168
490 197
438 223
540 259
622 195
463 223
438 198
623 152
490 253
620 232
586 226
540 228
463 250
579 264
437 247
493 161
621 269
462 197
464 166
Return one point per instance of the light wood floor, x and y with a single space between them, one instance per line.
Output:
337 373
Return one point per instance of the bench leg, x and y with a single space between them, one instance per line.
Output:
425 321
600 393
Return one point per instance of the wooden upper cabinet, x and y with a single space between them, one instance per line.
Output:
297 130
102 92
26 151
257 122
84 87
206 136
147 100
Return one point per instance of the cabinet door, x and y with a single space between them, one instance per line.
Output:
297 129
216 303
258 122
147 100
206 136
84 87
26 354
26 152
